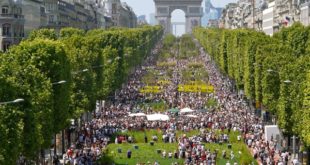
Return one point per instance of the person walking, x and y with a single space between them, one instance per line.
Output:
56 160
129 154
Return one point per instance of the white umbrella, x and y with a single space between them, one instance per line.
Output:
192 116
157 117
186 110
137 114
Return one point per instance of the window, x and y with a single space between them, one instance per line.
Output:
5 46
6 30
114 8
19 11
21 32
15 30
5 10
51 18
13 10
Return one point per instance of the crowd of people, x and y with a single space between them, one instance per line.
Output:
231 113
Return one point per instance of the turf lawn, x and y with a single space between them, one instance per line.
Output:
146 152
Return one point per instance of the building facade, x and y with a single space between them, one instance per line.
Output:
74 13
305 12
265 15
19 17
210 13
152 18
268 19
243 14
229 17
213 23
127 17
11 23
34 13
287 12
122 15
142 20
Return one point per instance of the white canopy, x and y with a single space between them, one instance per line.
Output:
137 114
157 117
186 110
192 116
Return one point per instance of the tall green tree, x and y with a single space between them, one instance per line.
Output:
43 34
261 65
304 126
93 64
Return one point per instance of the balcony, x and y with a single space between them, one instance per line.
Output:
283 7
6 35
15 16
282 10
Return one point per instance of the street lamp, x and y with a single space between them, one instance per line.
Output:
86 69
270 70
256 64
12 102
18 100
272 73
71 130
99 66
294 137
294 146
81 71
59 82
287 81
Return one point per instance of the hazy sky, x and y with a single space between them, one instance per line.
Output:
145 7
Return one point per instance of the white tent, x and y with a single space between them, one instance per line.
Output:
137 114
273 130
186 110
192 116
157 117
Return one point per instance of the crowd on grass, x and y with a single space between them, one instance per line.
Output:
231 114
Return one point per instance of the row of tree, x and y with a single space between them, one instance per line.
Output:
272 71
92 64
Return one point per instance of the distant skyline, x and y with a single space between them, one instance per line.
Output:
145 7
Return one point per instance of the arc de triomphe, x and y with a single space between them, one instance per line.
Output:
191 8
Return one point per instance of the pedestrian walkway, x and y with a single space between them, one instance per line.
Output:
229 113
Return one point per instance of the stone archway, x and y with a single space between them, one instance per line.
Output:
191 8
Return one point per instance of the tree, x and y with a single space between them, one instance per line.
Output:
304 126
93 65
169 40
27 123
296 36
11 125
260 65
69 32
223 53
43 34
